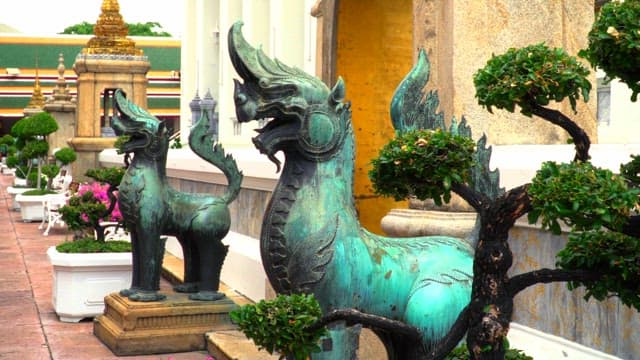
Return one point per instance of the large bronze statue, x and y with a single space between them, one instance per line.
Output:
151 208
311 239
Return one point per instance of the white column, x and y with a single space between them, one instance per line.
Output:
187 67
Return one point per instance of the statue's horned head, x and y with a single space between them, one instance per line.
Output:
305 115
142 129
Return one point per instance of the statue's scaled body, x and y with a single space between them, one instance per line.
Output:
311 239
151 208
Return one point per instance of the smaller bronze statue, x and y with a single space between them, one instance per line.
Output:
151 208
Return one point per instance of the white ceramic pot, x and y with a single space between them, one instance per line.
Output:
81 281
31 207
14 191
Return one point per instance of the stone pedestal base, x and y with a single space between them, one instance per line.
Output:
176 324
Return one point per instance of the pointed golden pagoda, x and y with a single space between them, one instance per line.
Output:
111 33
37 99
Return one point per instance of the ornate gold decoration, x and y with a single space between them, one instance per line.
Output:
111 33
37 99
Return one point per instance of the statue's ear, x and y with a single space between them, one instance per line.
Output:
337 93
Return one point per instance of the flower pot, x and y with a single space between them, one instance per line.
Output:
31 207
19 182
81 281
13 191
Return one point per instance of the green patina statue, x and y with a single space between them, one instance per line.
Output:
311 239
151 208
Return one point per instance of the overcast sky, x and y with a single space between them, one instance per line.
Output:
47 17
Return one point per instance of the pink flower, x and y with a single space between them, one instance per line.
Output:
101 194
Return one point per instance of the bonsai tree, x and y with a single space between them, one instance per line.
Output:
6 143
31 141
602 253
86 211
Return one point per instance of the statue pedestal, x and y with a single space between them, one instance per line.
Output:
175 324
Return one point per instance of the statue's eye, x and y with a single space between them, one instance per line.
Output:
240 99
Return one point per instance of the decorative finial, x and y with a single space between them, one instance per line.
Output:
37 99
111 33
61 92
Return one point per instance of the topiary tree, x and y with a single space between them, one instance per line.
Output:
31 133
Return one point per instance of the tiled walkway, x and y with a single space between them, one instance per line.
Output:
29 328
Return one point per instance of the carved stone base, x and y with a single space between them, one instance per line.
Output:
176 324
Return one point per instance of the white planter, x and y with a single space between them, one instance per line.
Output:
19 182
31 207
13 191
81 281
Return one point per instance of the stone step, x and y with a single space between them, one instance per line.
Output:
233 345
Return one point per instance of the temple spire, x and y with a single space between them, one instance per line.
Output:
37 99
111 33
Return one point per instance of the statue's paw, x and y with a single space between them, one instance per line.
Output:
186 288
207 296
146 296
128 292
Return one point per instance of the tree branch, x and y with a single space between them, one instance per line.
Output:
579 136
476 199
545 276
453 337
352 316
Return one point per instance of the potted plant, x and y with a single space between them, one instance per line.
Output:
88 268
31 134
6 148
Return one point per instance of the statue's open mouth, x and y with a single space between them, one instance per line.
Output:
275 135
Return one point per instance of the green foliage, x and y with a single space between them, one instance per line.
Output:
66 155
423 163
50 171
40 124
7 140
614 43
35 149
37 192
581 195
110 175
531 75
90 245
615 256
176 144
32 180
119 144
12 161
631 170
148 28
281 324
462 353
83 212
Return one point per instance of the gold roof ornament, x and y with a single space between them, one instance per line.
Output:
111 33
37 99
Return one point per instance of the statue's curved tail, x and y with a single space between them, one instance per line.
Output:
201 142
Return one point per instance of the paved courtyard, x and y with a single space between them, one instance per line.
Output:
29 328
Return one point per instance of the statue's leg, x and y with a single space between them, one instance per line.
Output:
341 344
212 253
191 265
135 264
151 255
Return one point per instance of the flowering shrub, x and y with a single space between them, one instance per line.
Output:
93 204
100 193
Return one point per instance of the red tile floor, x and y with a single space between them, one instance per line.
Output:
29 328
